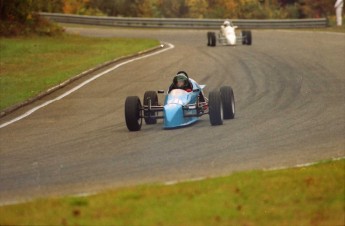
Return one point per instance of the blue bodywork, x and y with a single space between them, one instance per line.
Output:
180 107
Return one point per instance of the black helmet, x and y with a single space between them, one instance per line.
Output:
181 80
182 72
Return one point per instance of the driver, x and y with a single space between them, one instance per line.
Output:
227 29
181 81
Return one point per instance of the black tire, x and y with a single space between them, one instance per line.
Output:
244 37
154 102
214 104
228 102
133 113
209 38
247 40
213 39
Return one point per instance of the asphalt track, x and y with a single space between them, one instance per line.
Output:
290 109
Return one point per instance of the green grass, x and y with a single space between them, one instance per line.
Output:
31 65
311 195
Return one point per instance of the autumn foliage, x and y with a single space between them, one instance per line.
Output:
237 9
19 17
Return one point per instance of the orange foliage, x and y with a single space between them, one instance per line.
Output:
74 6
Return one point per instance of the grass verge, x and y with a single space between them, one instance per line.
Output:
30 65
311 195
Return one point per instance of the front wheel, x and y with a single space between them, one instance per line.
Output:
211 39
228 102
133 113
214 104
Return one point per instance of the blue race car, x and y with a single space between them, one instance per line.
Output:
181 108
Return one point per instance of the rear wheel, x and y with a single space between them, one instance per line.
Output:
247 37
213 39
243 33
209 38
150 95
214 104
228 102
133 113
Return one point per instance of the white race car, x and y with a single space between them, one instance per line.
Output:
228 36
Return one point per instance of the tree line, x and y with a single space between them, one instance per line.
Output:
234 9
20 17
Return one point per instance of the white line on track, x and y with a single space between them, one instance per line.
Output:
170 46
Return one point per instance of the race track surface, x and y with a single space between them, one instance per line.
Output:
290 109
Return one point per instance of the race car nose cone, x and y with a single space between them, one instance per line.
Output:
173 115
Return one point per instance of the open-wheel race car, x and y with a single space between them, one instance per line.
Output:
244 38
181 108
229 36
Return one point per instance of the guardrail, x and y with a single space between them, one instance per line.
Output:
183 23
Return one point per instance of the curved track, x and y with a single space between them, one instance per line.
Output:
290 98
